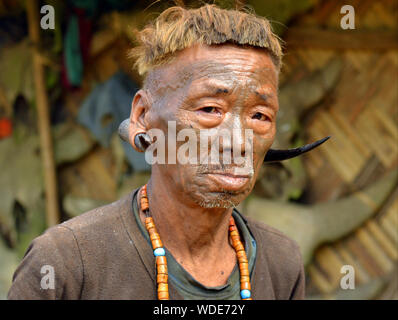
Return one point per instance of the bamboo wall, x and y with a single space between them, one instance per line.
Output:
361 116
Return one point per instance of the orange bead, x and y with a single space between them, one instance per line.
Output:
241 255
244 278
243 266
245 285
156 244
244 272
234 233
161 260
149 220
162 278
238 246
235 239
154 236
163 287
163 295
162 269
150 227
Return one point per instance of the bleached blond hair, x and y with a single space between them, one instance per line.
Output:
178 28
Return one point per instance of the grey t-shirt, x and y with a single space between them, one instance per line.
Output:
191 289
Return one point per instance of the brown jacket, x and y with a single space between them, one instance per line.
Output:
103 255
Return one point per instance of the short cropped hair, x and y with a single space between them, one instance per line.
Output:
178 28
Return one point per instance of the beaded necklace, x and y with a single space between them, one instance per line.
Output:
161 261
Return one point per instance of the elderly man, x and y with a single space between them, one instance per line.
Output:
180 236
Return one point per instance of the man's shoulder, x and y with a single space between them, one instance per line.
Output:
270 234
278 247
85 253
89 231
105 216
279 260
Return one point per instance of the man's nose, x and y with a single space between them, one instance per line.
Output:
232 136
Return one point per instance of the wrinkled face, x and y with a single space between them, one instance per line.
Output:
222 87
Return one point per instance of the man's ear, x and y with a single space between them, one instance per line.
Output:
139 108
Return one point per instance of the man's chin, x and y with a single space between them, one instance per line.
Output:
223 199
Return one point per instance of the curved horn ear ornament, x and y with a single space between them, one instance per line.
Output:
280 155
141 140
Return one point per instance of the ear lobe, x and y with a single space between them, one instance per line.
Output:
124 129
141 140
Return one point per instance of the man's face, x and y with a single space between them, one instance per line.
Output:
222 87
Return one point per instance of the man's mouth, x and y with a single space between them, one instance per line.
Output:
228 181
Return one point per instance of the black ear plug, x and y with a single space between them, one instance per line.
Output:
142 141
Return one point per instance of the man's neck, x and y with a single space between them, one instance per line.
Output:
194 235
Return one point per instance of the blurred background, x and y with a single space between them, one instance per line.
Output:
64 90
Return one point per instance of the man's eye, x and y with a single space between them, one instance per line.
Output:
209 109
260 116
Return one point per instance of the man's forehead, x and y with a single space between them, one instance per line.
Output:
199 70
221 61
225 63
